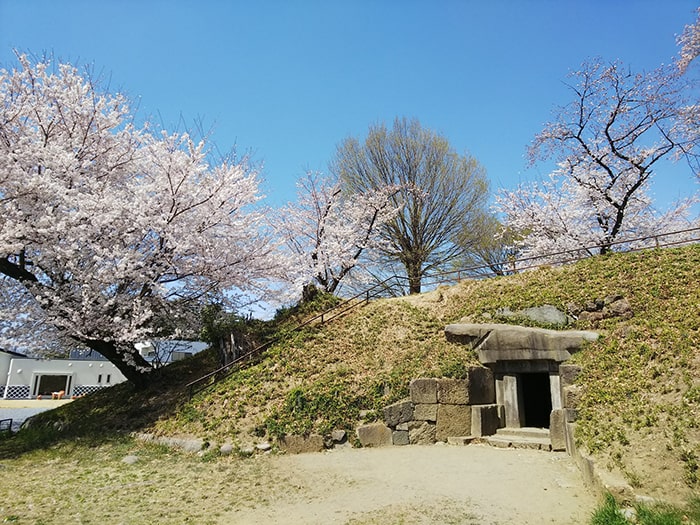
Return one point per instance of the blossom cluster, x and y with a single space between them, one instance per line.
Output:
607 144
105 223
328 235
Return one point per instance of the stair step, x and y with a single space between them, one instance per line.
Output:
527 432
531 443
532 438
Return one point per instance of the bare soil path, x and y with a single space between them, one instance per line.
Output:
475 484
436 485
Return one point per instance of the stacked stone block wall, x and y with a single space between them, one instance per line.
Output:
570 394
440 408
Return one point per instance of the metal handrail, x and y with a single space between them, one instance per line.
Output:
390 282
516 267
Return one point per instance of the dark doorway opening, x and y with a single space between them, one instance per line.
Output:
45 385
537 399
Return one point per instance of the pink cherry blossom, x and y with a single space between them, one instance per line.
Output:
105 224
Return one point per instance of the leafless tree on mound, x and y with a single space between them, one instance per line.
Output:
441 193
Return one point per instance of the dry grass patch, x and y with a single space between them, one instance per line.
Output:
92 485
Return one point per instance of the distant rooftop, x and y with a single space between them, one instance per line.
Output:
14 354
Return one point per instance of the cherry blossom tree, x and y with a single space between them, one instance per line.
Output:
689 42
560 219
330 235
607 144
23 324
689 120
110 227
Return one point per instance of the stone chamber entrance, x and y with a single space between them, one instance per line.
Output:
523 394
528 392
533 383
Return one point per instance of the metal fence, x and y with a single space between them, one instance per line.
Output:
633 244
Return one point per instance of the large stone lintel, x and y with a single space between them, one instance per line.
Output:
499 342
492 356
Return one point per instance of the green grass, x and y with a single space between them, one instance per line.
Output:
324 377
610 513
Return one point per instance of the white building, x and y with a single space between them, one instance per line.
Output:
160 352
23 377
29 378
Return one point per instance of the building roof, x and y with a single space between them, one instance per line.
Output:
14 354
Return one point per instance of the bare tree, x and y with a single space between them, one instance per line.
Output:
440 192
494 251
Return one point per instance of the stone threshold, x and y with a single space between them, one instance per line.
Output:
525 437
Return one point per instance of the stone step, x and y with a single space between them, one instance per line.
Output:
528 432
532 438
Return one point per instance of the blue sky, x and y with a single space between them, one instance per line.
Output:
288 80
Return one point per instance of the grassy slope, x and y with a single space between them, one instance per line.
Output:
640 407
325 376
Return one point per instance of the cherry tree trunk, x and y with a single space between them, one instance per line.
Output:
127 359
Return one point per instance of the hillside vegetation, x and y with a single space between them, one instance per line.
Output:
640 403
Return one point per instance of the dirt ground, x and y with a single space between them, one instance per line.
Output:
132 483
444 484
